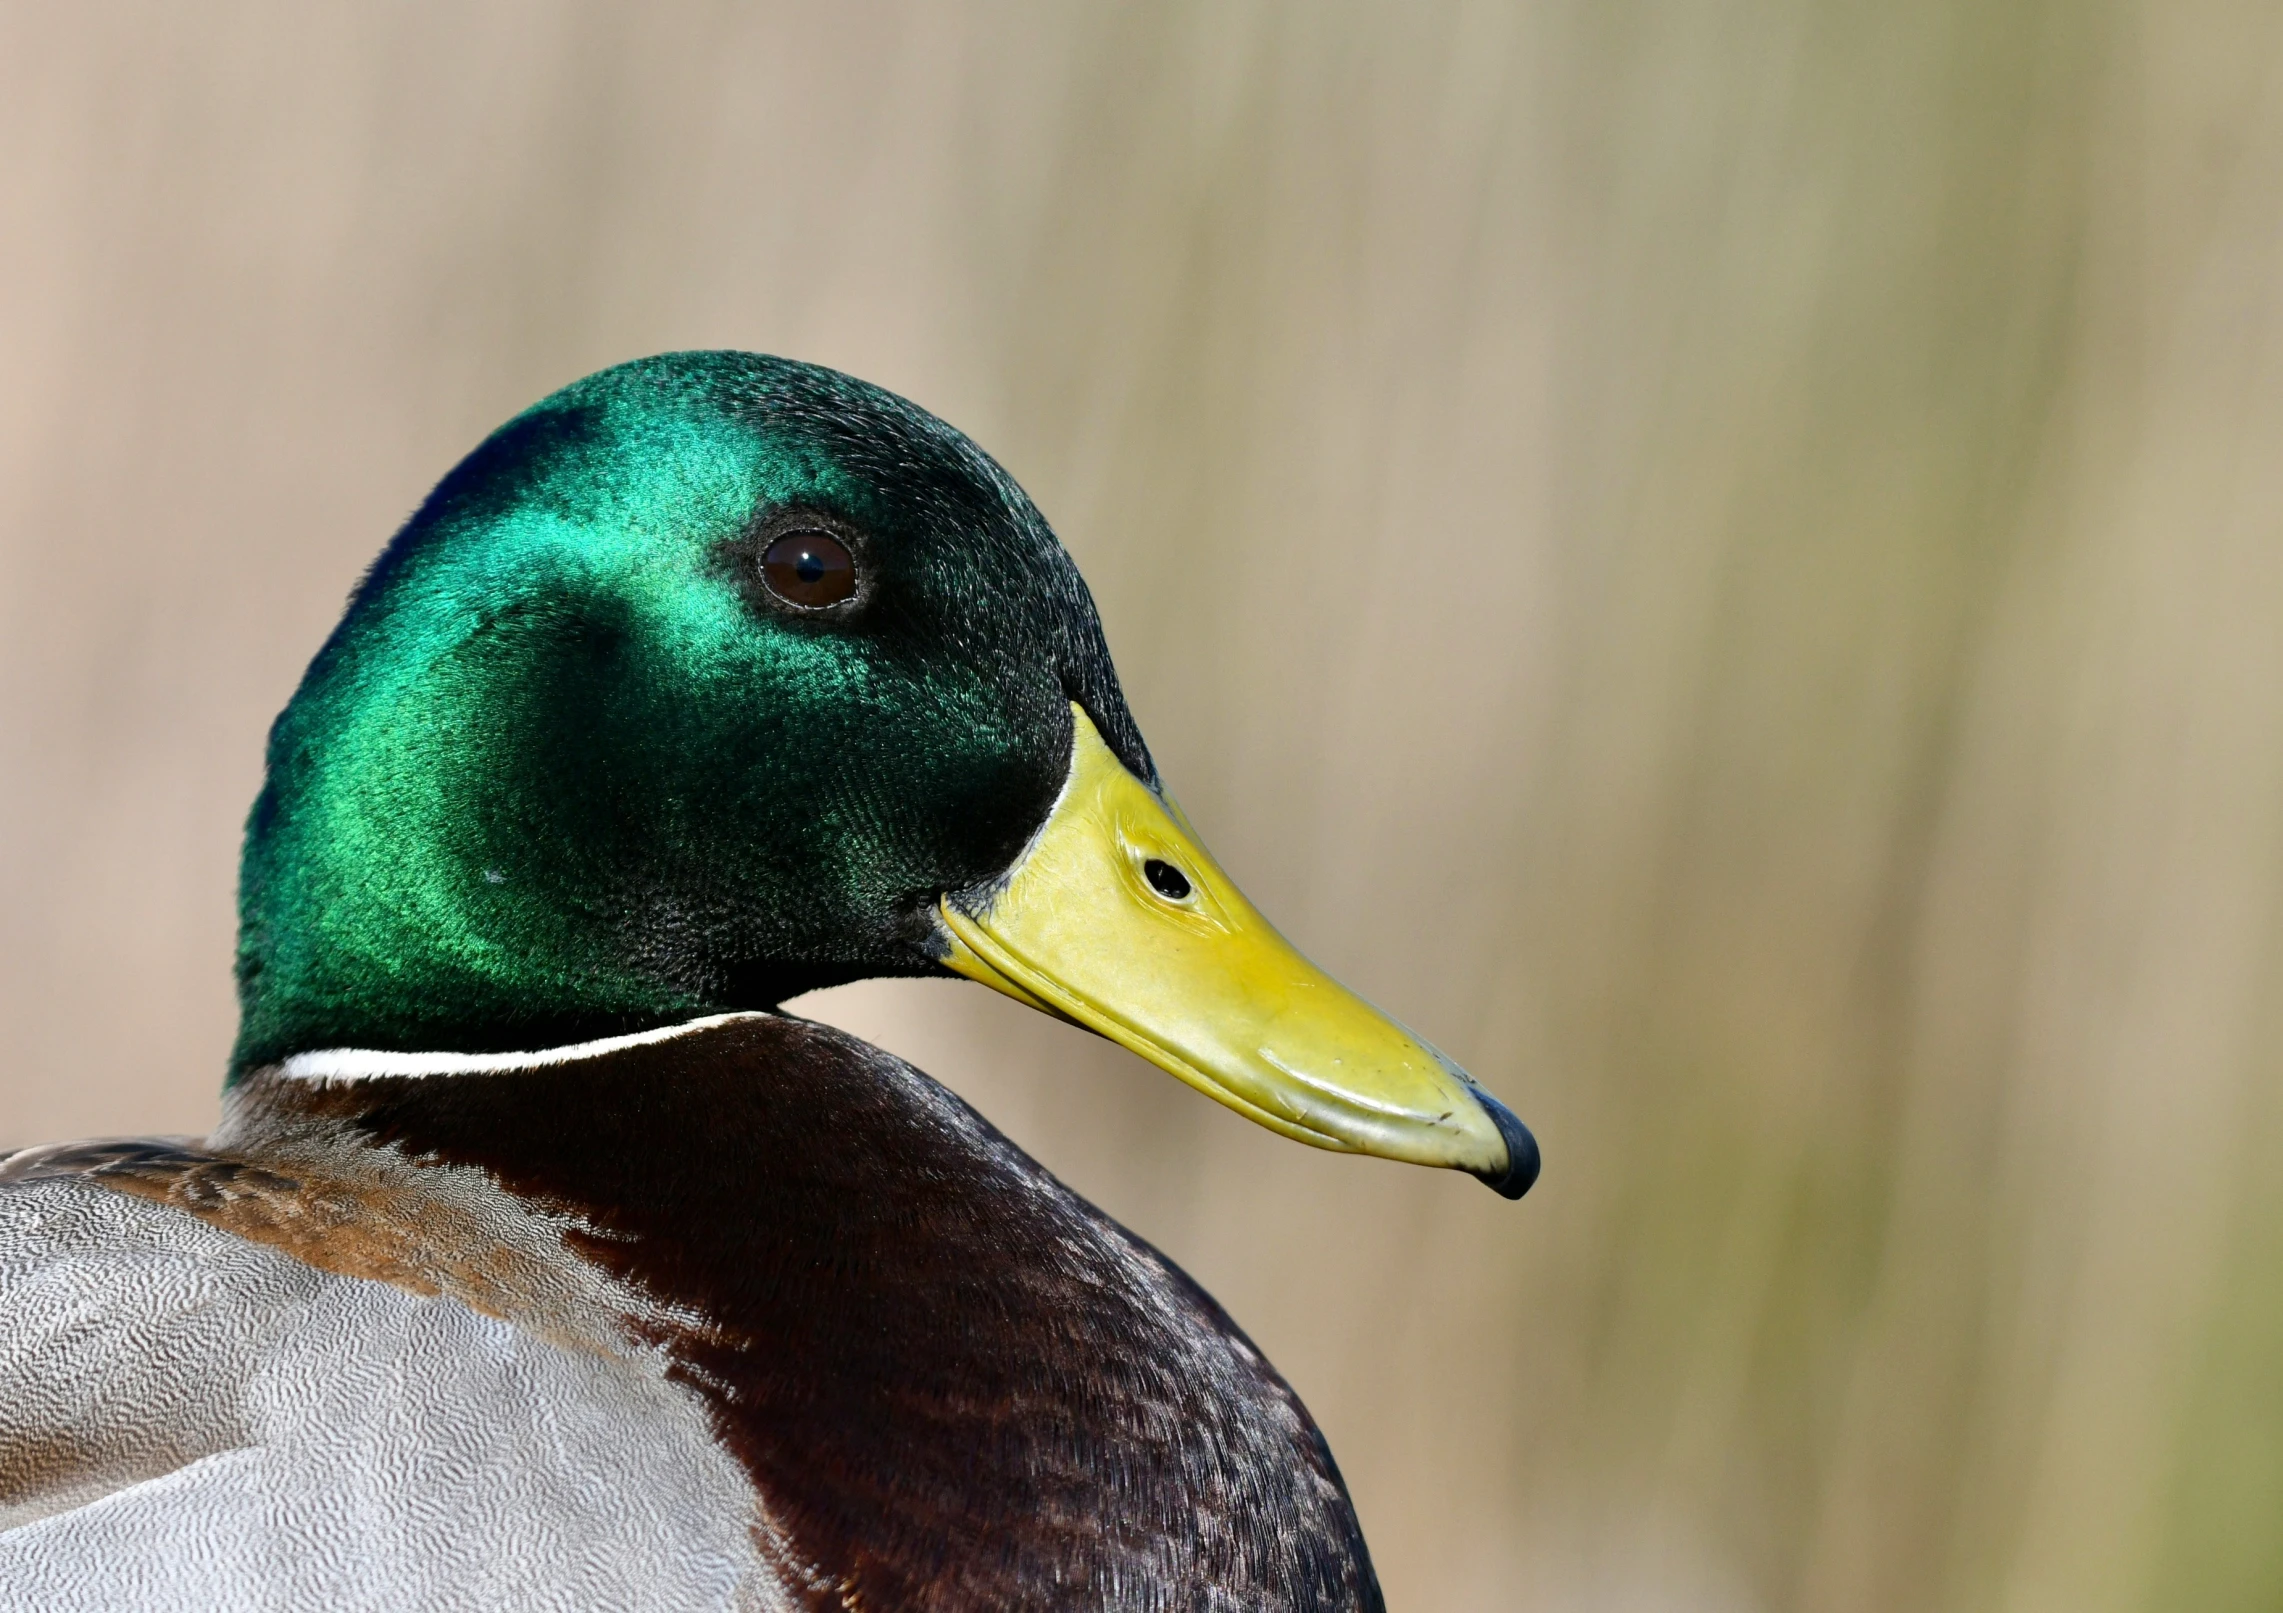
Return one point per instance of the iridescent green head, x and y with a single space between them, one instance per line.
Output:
572 766
716 678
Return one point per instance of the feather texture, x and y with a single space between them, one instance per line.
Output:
755 1315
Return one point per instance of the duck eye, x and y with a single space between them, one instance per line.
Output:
1167 880
809 569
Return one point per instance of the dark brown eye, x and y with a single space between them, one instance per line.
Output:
809 569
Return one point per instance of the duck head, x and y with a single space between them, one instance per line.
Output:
717 678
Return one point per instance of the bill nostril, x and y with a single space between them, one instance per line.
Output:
1167 880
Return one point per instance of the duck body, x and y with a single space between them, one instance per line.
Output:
540 1260
658 1348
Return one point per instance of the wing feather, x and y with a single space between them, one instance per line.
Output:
192 1419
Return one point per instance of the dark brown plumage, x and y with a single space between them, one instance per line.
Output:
955 1384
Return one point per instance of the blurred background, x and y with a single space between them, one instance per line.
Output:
1723 559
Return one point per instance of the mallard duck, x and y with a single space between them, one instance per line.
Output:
540 1259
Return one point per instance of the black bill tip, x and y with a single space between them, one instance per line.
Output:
1521 1150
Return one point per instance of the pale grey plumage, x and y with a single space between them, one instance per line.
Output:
189 1420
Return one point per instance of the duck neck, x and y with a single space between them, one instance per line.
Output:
411 880
490 838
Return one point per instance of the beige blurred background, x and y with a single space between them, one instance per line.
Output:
1724 559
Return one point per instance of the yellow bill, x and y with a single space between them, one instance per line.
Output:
1116 917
